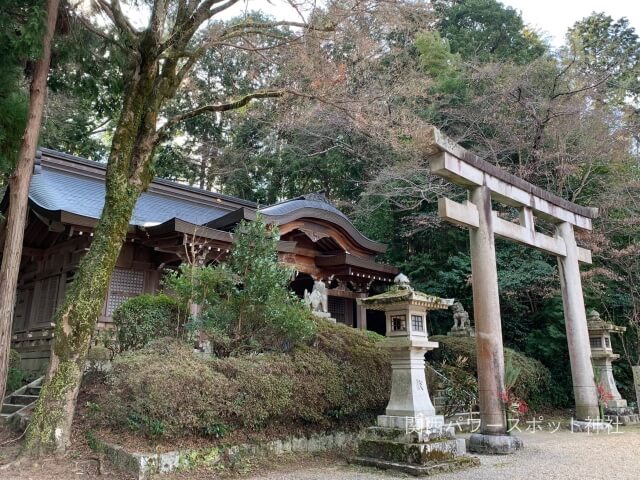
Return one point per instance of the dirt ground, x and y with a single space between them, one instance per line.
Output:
546 456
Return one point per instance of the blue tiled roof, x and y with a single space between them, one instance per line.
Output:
83 195
64 183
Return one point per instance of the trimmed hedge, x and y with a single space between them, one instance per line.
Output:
533 384
141 319
167 390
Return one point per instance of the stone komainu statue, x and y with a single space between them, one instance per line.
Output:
460 317
317 300
461 322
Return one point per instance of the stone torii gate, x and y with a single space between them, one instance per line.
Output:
486 182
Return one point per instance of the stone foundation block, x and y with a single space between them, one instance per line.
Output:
459 463
494 444
589 426
411 453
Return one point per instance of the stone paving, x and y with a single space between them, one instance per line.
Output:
546 456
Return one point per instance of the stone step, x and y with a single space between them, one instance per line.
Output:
22 399
9 408
33 391
18 405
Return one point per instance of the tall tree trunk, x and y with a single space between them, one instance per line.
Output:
128 174
50 425
19 194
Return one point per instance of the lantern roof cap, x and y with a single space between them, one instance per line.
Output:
402 292
596 324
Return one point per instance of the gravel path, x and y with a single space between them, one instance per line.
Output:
546 456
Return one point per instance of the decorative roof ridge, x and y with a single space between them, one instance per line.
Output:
318 196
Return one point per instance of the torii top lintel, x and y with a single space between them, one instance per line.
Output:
451 161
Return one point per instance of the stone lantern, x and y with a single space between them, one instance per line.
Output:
407 340
409 437
602 356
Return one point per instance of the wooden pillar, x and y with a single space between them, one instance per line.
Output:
361 314
575 318
486 308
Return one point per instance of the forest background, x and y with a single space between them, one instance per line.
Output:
566 119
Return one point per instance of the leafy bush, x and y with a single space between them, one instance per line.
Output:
246 302
533 382
460 386
167 390
146 317
15 375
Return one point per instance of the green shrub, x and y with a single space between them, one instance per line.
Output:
146 317
460 385
15 375
167 390
246 302
533 381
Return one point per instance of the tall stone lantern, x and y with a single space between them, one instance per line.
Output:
602 356
410 436
407 340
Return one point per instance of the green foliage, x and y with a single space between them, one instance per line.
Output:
246 303
15 375
459 384
608 50
487 30
167 390
21 30
147 317
446 71
548 343
532 384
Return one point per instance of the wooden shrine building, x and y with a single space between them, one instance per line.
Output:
173 223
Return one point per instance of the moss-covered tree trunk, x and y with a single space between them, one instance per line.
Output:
128 174
160 56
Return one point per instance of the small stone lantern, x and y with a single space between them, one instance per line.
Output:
406 316
602 356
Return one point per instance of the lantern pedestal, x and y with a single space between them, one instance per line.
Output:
409 396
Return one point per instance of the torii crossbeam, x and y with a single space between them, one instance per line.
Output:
486 182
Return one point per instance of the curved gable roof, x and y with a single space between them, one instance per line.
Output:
313 206
316 206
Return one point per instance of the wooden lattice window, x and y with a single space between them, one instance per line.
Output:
399 323
337 309
595 342
124 284
45 300
417 325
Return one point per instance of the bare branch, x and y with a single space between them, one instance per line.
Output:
114 12
220 107
87 24
182 32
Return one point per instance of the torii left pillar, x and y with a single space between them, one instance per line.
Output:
493 436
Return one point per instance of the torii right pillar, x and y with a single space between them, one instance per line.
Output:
486 183
575 317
